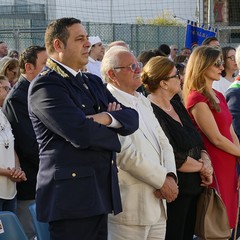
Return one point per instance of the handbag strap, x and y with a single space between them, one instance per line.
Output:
217 186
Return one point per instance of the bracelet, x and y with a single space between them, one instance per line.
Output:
171 174
201 167
204 151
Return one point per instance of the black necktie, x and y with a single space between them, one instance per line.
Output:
81 81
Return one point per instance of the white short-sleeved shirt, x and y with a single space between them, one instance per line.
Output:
222 85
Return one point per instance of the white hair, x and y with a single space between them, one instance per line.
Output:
111 60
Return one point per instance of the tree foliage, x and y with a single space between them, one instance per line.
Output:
165 19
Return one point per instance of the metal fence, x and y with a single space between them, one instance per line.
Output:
139 37
19 39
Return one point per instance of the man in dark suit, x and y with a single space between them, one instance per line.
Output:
77 122
15 107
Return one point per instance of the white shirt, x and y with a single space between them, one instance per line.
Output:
222 85
93 67
138 102
7 158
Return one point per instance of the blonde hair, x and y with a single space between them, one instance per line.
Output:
10 64
3 78
200 60
157 69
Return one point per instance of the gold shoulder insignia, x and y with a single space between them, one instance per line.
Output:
51 64
44 72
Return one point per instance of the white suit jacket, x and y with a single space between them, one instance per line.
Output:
143 163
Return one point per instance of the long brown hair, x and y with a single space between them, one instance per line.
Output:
200 60
225 51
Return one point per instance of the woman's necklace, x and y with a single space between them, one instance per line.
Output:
5 139
167 109
163 108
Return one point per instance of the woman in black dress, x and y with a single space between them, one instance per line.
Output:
161 78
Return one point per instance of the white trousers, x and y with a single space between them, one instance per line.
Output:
136 232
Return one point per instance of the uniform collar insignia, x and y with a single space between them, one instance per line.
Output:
54 66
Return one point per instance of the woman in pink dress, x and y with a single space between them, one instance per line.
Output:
208 109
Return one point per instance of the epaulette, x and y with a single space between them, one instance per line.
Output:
53 66
45 72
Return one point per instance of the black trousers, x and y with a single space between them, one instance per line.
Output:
91 228
181 218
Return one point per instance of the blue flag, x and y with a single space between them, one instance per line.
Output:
195 35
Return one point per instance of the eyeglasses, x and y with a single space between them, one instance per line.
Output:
133 67
15 73
7 88
218 63
232 58
175 76
175 49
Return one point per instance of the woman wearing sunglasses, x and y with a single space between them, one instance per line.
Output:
161 78
209 111
230 68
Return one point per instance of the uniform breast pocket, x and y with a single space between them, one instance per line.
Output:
78 186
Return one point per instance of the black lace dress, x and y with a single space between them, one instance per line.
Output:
186 141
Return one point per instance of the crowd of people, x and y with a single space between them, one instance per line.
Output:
116 146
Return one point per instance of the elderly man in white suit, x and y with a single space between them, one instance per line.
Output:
147 171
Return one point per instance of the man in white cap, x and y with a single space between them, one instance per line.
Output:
96 53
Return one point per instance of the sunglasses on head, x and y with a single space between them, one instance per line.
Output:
133 67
